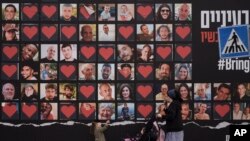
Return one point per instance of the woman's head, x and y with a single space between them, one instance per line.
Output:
125 92
184 91
146 51
183 72
164 32
9 32
28 90
164 13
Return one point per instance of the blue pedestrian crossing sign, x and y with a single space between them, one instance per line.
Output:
234 41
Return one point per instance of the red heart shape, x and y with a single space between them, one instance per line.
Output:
87 113
222 110
10 51
68 111
87 91
126 31
48 11
183 31
144 11
30 11
9 70
106 53
144 91
29 110
87 51
68 31
144 110
48 31
145 70
9 110
183 51
67 70
30 31
84 12
163 52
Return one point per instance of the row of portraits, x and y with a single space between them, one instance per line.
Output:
124 91
96 32
120 111
71 12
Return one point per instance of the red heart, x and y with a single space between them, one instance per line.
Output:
84 12
144 91
183 51
222 110
144 110
10 51
30 31
106 53
9 70
144 11
145 70
87 113
49 11
87 51
29 110
9 110
126 31
68 31
87 90
68 111
30 11
163 52
182 31
67 70
48 31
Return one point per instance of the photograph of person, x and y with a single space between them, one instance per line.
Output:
68 52
222 91
202 91
87 32
237 110
106 32
183 12
48 91
162 92
67 91
125 71
28 71
106 111
88 12
8 91
48 111
87 110
125 91
145 52
10 11
125 53
242 91
183 71
145 32
87 71
202 111
29 52
186 112
48 71
125 12
106 71
125 111
49 53
160 109
163 12
246 113
163 72
10 32
106 91
185 90
163 32
29 92
68 12
106 12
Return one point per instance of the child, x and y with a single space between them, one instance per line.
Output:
105 15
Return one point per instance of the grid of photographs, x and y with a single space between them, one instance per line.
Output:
75 60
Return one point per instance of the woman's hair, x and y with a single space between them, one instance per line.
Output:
186 86
186 68
150 49
158 14
23 90
122 86
4 37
